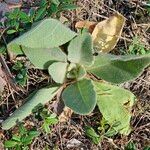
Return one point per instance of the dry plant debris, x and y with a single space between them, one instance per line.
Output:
2 80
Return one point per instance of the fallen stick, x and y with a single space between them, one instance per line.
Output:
8 73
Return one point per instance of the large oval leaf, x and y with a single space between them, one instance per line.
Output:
80 96
42 58
80 50
48 33
41 96
58 71
115 104
118 69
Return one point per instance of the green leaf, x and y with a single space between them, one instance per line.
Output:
68 7
24 148
81 72
111 132
130 146
42 3
66 1
80 50
48 33
21 77
42 58
58 71
41 12
26 140
16 138
118 69
115 104
10 143
76 71
46 127
33 134
53 9
11 31
19 147
13 14
56 2
17 66
22 129
80 96
90 132
24 17
51 121
41 96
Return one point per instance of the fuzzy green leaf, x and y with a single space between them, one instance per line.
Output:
80 50
115 104
80 96
76 71
58 71
48 33
41 96
118 69
42 58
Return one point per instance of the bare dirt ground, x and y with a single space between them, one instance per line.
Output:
137 24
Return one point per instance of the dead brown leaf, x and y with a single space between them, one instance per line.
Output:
106 33
65 115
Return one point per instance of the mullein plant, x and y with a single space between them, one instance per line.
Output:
88 77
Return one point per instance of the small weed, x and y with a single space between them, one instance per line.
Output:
21 73
130 146
105 130
90 132
49 120
137 48
53 8
22 140
19 21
